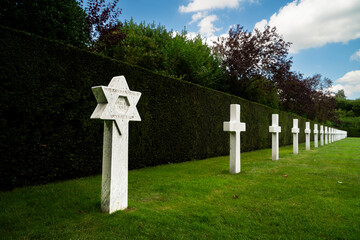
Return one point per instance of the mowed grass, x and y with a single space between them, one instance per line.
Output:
312 195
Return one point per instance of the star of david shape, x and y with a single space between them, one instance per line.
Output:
116 102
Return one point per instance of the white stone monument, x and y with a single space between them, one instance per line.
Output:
316 131
329 135
295 130
307 135
235 127
116 106
326 135
321 135
275 129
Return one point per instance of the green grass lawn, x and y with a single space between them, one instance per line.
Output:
312 195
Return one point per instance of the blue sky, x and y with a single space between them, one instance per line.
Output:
325 33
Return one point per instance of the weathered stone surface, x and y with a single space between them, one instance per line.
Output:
307 135
116 106
321 135
326 135
235 127
295 130
316 137
275 129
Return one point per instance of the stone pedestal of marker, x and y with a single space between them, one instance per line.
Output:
275 129
321 135
234 126
295 130
316 131
307 135
116 106
326 135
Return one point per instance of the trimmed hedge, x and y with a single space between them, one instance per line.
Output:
46 103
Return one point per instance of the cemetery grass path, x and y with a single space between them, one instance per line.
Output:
312 195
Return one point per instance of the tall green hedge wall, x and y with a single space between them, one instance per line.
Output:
46 102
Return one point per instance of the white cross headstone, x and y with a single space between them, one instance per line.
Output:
331 135
295 130
116 106
326 135
275 129
316 131
234 126
321 135
307 135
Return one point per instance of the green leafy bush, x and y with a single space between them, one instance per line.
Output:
45 129
348 111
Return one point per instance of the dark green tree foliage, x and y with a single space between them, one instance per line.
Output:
46 133
348 112
192 61
340 94
143 46
153 47
62 20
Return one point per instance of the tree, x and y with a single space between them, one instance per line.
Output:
103 27
153 47
340 94
307 96
248 55
62 20
192 60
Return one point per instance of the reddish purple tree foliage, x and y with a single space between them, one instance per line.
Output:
247 55
307 96
259 60
103 27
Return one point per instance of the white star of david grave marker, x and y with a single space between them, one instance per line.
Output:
116 106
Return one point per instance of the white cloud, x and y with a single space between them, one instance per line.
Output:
350 82
210 40
356 56
207 27
203 5
314 23
191 35
352 77
197 16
